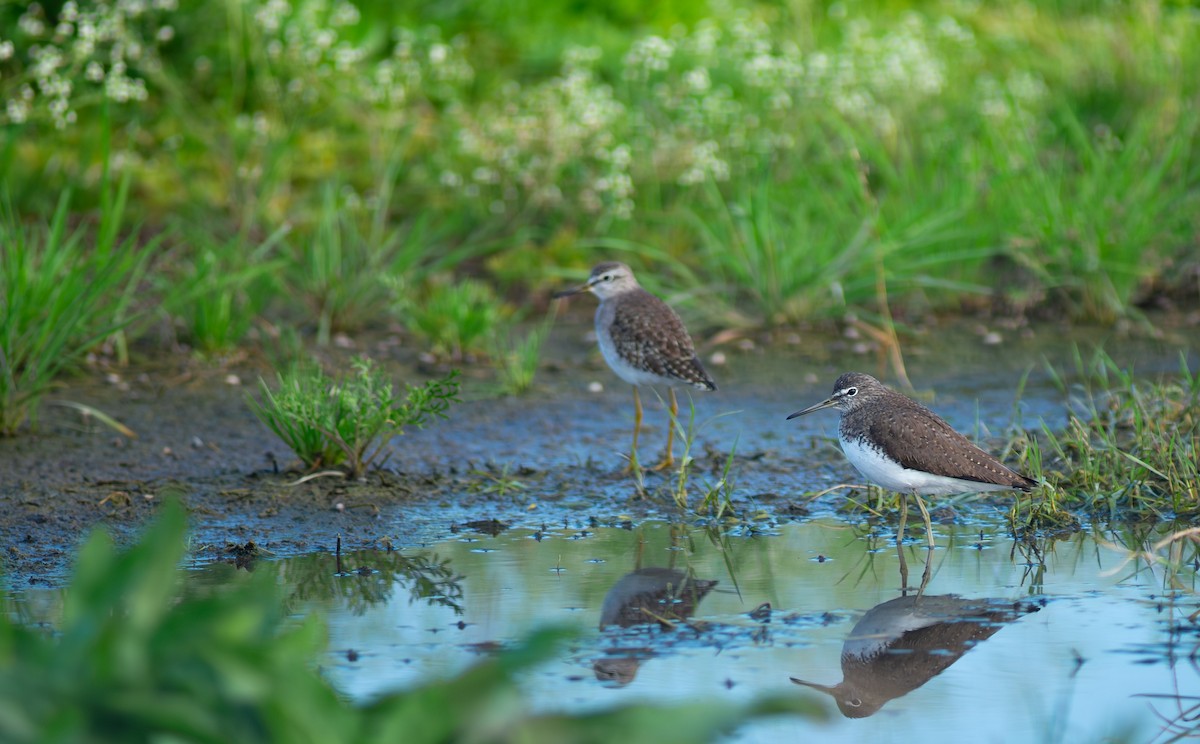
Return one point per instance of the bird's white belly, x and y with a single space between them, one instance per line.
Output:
622 368
891 475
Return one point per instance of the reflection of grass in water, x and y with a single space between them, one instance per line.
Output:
371 577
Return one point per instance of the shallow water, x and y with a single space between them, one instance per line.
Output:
1058 640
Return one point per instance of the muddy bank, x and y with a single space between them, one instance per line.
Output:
552 456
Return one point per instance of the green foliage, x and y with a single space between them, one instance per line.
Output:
1095 223
339 271
454 319
777 259
60 296
135 661
129 663
939 151
1127 443
347 422
219 288
516 357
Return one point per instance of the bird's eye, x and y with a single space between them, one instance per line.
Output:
854 702
609 277
851 392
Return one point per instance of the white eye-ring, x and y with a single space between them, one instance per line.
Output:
851 392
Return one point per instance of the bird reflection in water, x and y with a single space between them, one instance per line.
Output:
901 644
653 595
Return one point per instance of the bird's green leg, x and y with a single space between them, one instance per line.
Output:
903 517
925 516
668 458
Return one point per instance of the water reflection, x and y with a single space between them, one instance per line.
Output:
653 594
647 596
370 577
901 644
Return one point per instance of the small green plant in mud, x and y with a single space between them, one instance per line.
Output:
136 658
347 422
62 292
500 483
1040 510
1127 442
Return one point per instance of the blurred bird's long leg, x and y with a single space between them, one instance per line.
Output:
637 427
925 516
903 517
668 458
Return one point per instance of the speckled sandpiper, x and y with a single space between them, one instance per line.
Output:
644 342
899 444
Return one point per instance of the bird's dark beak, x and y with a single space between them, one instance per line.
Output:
823 688
573 290
823 404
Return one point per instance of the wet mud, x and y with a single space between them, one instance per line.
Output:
553 456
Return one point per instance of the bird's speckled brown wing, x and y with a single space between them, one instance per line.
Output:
650 336
918 439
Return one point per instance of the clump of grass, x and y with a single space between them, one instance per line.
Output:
60 296
455 320
1129 443
515 358
221 288
1093 227
338 271
347 422
136 659
779 259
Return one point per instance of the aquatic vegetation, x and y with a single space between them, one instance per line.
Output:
348 421
1127 443
134 660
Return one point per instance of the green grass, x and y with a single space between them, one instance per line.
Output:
136 659
454 320
515 355
218 289
347 422
1129 444
63 291
774 165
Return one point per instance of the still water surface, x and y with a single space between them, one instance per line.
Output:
1057 640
